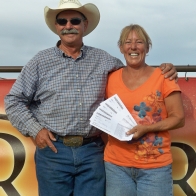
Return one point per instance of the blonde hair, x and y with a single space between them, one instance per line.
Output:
140 32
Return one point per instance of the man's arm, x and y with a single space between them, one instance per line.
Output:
17 107
20 97
169 71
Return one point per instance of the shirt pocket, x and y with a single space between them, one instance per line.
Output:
96 84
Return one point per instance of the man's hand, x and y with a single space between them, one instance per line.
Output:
169 71
44 138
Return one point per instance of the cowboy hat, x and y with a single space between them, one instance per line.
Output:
89 10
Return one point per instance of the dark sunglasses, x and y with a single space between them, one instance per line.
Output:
73 21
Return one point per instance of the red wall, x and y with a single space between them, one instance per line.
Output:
17 168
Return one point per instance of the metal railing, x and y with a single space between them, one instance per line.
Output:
179 68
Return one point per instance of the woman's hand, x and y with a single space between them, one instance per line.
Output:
138 131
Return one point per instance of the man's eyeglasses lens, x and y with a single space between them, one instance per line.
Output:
73 21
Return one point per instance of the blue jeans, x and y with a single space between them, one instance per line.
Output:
72 170
129 181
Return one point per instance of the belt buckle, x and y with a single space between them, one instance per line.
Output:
73 140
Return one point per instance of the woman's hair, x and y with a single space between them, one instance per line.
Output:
140 32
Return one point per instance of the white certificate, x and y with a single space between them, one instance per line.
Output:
113 118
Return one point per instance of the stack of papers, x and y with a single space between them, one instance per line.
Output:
113 118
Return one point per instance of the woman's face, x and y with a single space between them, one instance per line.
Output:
134 50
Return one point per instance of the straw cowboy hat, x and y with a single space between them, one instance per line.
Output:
89 10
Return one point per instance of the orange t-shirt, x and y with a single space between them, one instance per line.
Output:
146 104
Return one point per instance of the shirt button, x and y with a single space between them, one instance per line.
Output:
80 104
78 90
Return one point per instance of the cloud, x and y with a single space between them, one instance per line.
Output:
170 24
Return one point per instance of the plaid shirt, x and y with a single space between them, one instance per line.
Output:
59 93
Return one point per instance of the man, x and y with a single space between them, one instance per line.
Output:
53 99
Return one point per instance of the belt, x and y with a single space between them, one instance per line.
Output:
76 140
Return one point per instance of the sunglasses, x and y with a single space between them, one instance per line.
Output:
73 21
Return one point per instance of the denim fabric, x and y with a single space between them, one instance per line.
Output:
125 181
78 170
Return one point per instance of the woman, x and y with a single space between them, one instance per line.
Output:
142 166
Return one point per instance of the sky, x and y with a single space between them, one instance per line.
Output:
171 25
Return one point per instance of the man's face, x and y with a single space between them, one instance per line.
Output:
73 32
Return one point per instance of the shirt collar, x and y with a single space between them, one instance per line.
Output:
61 53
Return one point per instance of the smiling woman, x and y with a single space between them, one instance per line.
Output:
156 105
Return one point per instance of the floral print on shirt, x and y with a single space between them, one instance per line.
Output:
148 112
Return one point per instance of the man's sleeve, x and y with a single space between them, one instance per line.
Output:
19 98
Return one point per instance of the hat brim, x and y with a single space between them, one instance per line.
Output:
89 10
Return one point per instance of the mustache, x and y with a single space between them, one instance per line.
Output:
69 31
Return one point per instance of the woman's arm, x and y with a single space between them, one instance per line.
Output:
174 120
